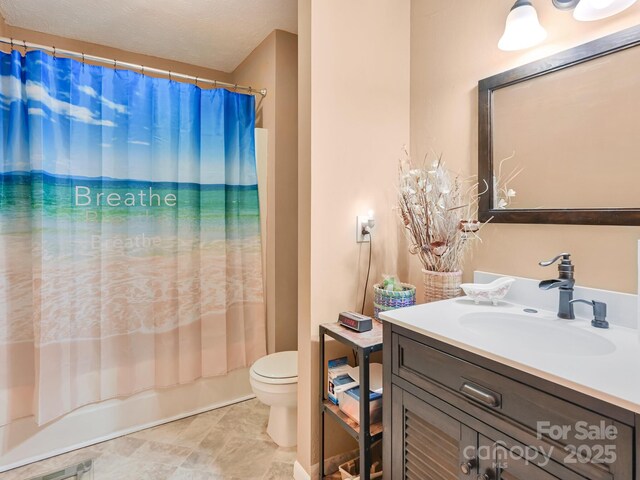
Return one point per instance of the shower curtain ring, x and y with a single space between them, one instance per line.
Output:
115 63
215 84
142 69
12 45
82 58
24 44
54 51
235 88
170 79
196 81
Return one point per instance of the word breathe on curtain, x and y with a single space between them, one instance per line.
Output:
130 250
83 198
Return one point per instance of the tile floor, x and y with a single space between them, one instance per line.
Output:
228 443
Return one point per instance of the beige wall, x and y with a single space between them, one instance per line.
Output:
354 64
274 65
453 45
286 196
305 375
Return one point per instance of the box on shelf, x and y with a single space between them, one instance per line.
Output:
349 402
338 373
343 382
351 470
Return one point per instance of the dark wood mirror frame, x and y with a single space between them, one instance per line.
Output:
616 42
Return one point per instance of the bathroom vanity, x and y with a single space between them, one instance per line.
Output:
487 393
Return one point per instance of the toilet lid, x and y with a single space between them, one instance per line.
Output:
279 365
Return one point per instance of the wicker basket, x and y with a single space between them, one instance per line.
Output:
441 285
390 300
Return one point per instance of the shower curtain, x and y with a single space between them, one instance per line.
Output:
129 234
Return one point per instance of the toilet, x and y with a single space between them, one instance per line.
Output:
274 380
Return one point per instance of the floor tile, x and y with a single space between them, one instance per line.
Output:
214 442
133 469
193 435
200 461
286 455
188 474
160 452
245 457
110 465
279 471
245 421
229 443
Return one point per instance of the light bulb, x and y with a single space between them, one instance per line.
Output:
601 3
590 10
522 29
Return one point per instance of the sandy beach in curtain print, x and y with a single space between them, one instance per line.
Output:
145 268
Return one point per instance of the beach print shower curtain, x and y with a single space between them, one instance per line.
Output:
129 234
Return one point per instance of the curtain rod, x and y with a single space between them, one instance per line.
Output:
130 66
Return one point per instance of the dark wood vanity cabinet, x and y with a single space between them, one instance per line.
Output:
453 415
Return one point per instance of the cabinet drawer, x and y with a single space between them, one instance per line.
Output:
494 396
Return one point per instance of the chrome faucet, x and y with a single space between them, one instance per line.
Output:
564 283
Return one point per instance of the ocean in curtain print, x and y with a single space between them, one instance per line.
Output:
127 203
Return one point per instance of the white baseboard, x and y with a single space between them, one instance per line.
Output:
300 473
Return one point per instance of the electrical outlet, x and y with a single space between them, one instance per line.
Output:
362 220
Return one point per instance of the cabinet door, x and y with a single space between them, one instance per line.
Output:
428 444
498 461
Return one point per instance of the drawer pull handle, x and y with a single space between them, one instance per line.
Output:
479 394
468 466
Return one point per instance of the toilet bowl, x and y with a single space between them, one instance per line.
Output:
274 380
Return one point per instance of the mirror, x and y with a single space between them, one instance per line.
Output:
559 139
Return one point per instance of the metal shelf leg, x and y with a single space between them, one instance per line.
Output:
365 437
321 396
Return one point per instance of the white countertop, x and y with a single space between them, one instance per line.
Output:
613 377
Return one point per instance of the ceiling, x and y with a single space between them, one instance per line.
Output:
217 34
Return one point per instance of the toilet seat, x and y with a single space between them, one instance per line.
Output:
276 369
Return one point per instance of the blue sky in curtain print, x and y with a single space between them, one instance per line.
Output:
71 119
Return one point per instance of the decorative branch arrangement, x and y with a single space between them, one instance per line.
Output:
439 210
502 193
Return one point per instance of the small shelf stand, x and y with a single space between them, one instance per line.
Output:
365 434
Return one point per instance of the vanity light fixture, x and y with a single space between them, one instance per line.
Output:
565 4
522 29
590 10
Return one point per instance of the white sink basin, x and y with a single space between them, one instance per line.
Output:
536 333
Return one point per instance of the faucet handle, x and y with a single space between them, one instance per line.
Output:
599 312
566 260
